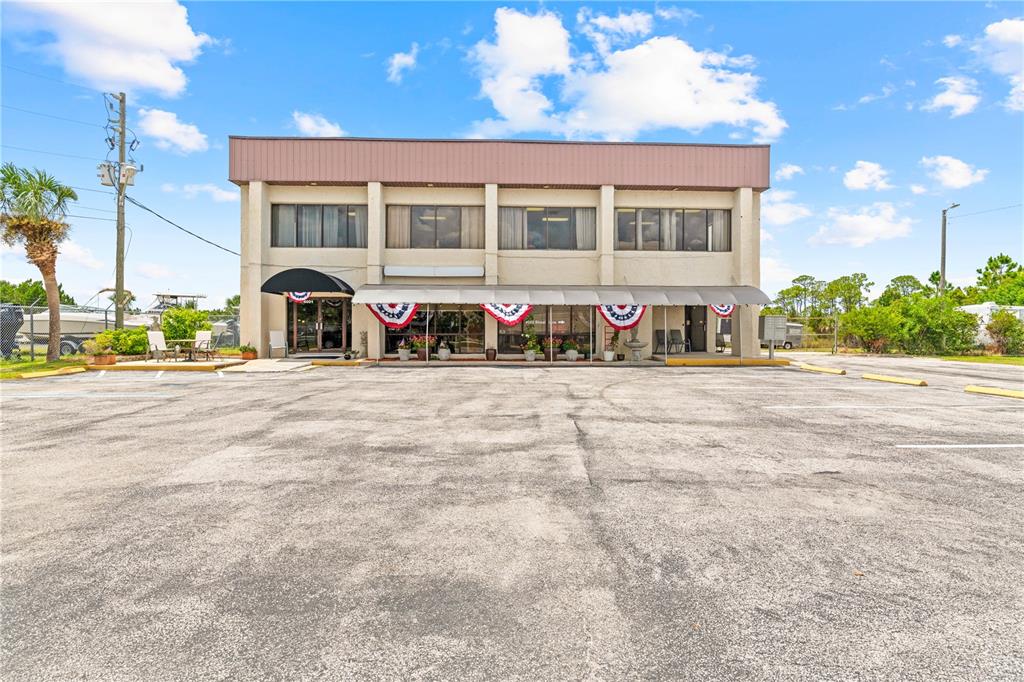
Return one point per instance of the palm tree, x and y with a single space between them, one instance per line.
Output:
33 205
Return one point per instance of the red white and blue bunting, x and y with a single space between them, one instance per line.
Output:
298 296
622 317
507 313
722 310
393 315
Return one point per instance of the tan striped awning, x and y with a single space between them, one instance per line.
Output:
555 295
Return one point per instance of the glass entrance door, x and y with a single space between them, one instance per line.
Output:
321 324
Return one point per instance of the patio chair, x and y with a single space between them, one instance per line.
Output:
719 342
203 344
659 338
277 340
675 340
158 346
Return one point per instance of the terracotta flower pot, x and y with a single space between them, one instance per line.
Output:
491 354
421 353
550 354
248 356
104 359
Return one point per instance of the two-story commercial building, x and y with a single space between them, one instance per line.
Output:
362 243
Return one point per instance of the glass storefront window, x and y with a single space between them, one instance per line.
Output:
462 330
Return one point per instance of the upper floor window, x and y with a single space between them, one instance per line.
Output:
654 229
435 227
318 225
568 229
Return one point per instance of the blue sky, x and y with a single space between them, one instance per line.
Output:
879 115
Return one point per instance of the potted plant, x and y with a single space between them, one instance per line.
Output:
609 350
572 350
491 354
443 351
403 350
422 344
530 347
248 351
101 354
551 346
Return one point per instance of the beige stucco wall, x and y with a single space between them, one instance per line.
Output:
259 261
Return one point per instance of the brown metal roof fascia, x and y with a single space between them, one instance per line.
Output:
508 163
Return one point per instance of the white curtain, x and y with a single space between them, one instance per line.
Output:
357 227
472 227
511 227
586 229
721 234
308 224
397 233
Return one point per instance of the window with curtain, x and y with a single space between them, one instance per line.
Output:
435 227
537 228
318 225
460 328
677 229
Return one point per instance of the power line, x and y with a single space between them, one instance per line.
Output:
186 231
90 189
59 118
991 210
52 154
49 78
92 208
89 217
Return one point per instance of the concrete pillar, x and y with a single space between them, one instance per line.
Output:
606 235
490 332
746 251
255 218
491 234
375 225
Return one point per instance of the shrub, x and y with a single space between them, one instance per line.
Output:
875 327
1007 332
934 326
183 323
124 341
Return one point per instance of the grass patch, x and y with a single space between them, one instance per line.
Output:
12 369
988 359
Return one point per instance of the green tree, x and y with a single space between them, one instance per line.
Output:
900 287
29 292
1007 333
845 293
876 327
33 205
1010 291
997 270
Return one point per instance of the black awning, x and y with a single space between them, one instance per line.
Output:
304 279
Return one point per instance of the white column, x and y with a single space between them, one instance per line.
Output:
746 248
255 218
375 210
491 234
606 235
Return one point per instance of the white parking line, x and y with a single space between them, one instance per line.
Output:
868 407
158 375
960 446
84 394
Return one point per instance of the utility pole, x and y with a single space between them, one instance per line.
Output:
942 260
122 187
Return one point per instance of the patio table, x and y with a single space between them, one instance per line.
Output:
186 345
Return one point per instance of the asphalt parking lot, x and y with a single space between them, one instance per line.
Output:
527 523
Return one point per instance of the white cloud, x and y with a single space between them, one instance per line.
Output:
168 187
918 189
787 170
868 224
170 133
867 175
1001 50
953 173
128 46
777 208
605 31
952 40
766 236
400 62
959 96
216 193
660 83
73 252
887 91
154 271
315 125
685 15
775 274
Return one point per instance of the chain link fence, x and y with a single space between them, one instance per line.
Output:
24 330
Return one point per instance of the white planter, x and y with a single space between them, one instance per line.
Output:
403 354
531 355
609 355
444 353
572 355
